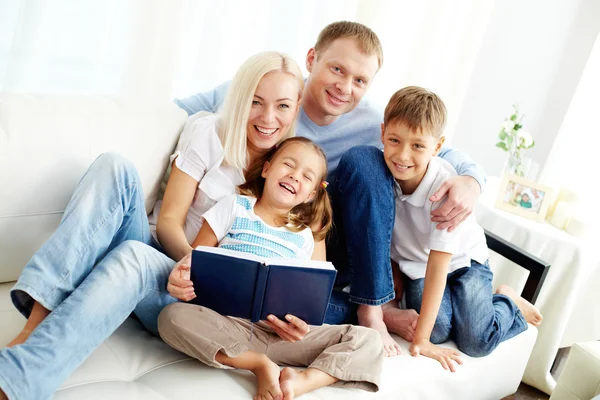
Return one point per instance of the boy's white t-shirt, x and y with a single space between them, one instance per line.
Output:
199 154
414 233
238 228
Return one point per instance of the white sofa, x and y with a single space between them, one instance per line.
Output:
46 144
580 377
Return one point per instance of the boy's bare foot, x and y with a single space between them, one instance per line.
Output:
372 317
267 374
401 322
529 311
21 338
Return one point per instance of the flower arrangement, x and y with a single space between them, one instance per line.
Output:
513 139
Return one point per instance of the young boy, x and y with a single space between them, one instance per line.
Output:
447 278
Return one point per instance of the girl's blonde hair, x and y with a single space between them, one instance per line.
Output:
236 108
316 213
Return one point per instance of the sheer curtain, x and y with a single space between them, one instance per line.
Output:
572 163
172 48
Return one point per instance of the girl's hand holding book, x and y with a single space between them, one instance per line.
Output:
180 286
292 331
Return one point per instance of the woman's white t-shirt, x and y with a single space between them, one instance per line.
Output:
199 153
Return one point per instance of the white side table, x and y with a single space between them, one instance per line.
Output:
574 275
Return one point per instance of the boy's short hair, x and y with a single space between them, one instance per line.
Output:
418 108
367 40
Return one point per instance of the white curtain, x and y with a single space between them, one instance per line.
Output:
173 48
573 161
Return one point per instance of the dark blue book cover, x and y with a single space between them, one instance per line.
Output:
246 286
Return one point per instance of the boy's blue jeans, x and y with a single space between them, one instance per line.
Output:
470 314
362 197
95 270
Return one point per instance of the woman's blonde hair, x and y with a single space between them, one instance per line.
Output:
316 213
236 108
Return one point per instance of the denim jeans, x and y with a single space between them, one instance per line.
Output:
95 270
362 198
470 313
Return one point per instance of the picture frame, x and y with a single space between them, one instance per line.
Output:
523 197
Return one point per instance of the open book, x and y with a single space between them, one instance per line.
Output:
247 286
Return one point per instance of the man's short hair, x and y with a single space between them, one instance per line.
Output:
418 108
367 40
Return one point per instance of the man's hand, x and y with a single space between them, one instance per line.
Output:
446 357
463 192
292 331
180 286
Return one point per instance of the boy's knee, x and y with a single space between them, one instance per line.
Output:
169 318
477 347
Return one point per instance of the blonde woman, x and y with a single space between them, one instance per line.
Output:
106 261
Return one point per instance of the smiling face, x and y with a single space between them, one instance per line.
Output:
274 108
407 153
339 77
292 176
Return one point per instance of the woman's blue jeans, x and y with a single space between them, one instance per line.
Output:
362 197
95 270
470 314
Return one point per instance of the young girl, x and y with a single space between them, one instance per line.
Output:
273 216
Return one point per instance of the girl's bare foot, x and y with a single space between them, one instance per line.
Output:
401 322
267 373
294 383
286 382
372 317
529 311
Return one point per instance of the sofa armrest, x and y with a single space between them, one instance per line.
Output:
538 269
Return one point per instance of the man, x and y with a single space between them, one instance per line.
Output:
342 66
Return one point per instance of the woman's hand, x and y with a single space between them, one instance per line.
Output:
292 331
446 357
180 286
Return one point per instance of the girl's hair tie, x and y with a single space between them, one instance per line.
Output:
324 184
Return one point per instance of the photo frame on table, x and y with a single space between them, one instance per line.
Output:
524 197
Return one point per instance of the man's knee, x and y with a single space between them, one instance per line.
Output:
361 159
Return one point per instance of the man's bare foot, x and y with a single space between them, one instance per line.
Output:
401 322
267 373
529 311
372 317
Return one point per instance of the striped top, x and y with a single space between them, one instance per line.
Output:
238 228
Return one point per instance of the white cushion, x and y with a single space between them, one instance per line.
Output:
132 364
46 144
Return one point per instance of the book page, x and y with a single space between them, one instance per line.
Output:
296 262
231 253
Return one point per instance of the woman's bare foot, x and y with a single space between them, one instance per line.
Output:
38 314
400 322
294 383
372 317
529 311
267 373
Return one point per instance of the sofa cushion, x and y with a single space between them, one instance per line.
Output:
132 364
46 144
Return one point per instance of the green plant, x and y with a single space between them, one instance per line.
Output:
513 140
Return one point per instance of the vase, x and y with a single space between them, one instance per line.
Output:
514 165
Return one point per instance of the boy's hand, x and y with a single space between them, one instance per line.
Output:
292 331
446 357
180 286
463 192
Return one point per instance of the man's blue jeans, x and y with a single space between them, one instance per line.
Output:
470 314
362 197
95 270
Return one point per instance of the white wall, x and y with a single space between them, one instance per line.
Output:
533 54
